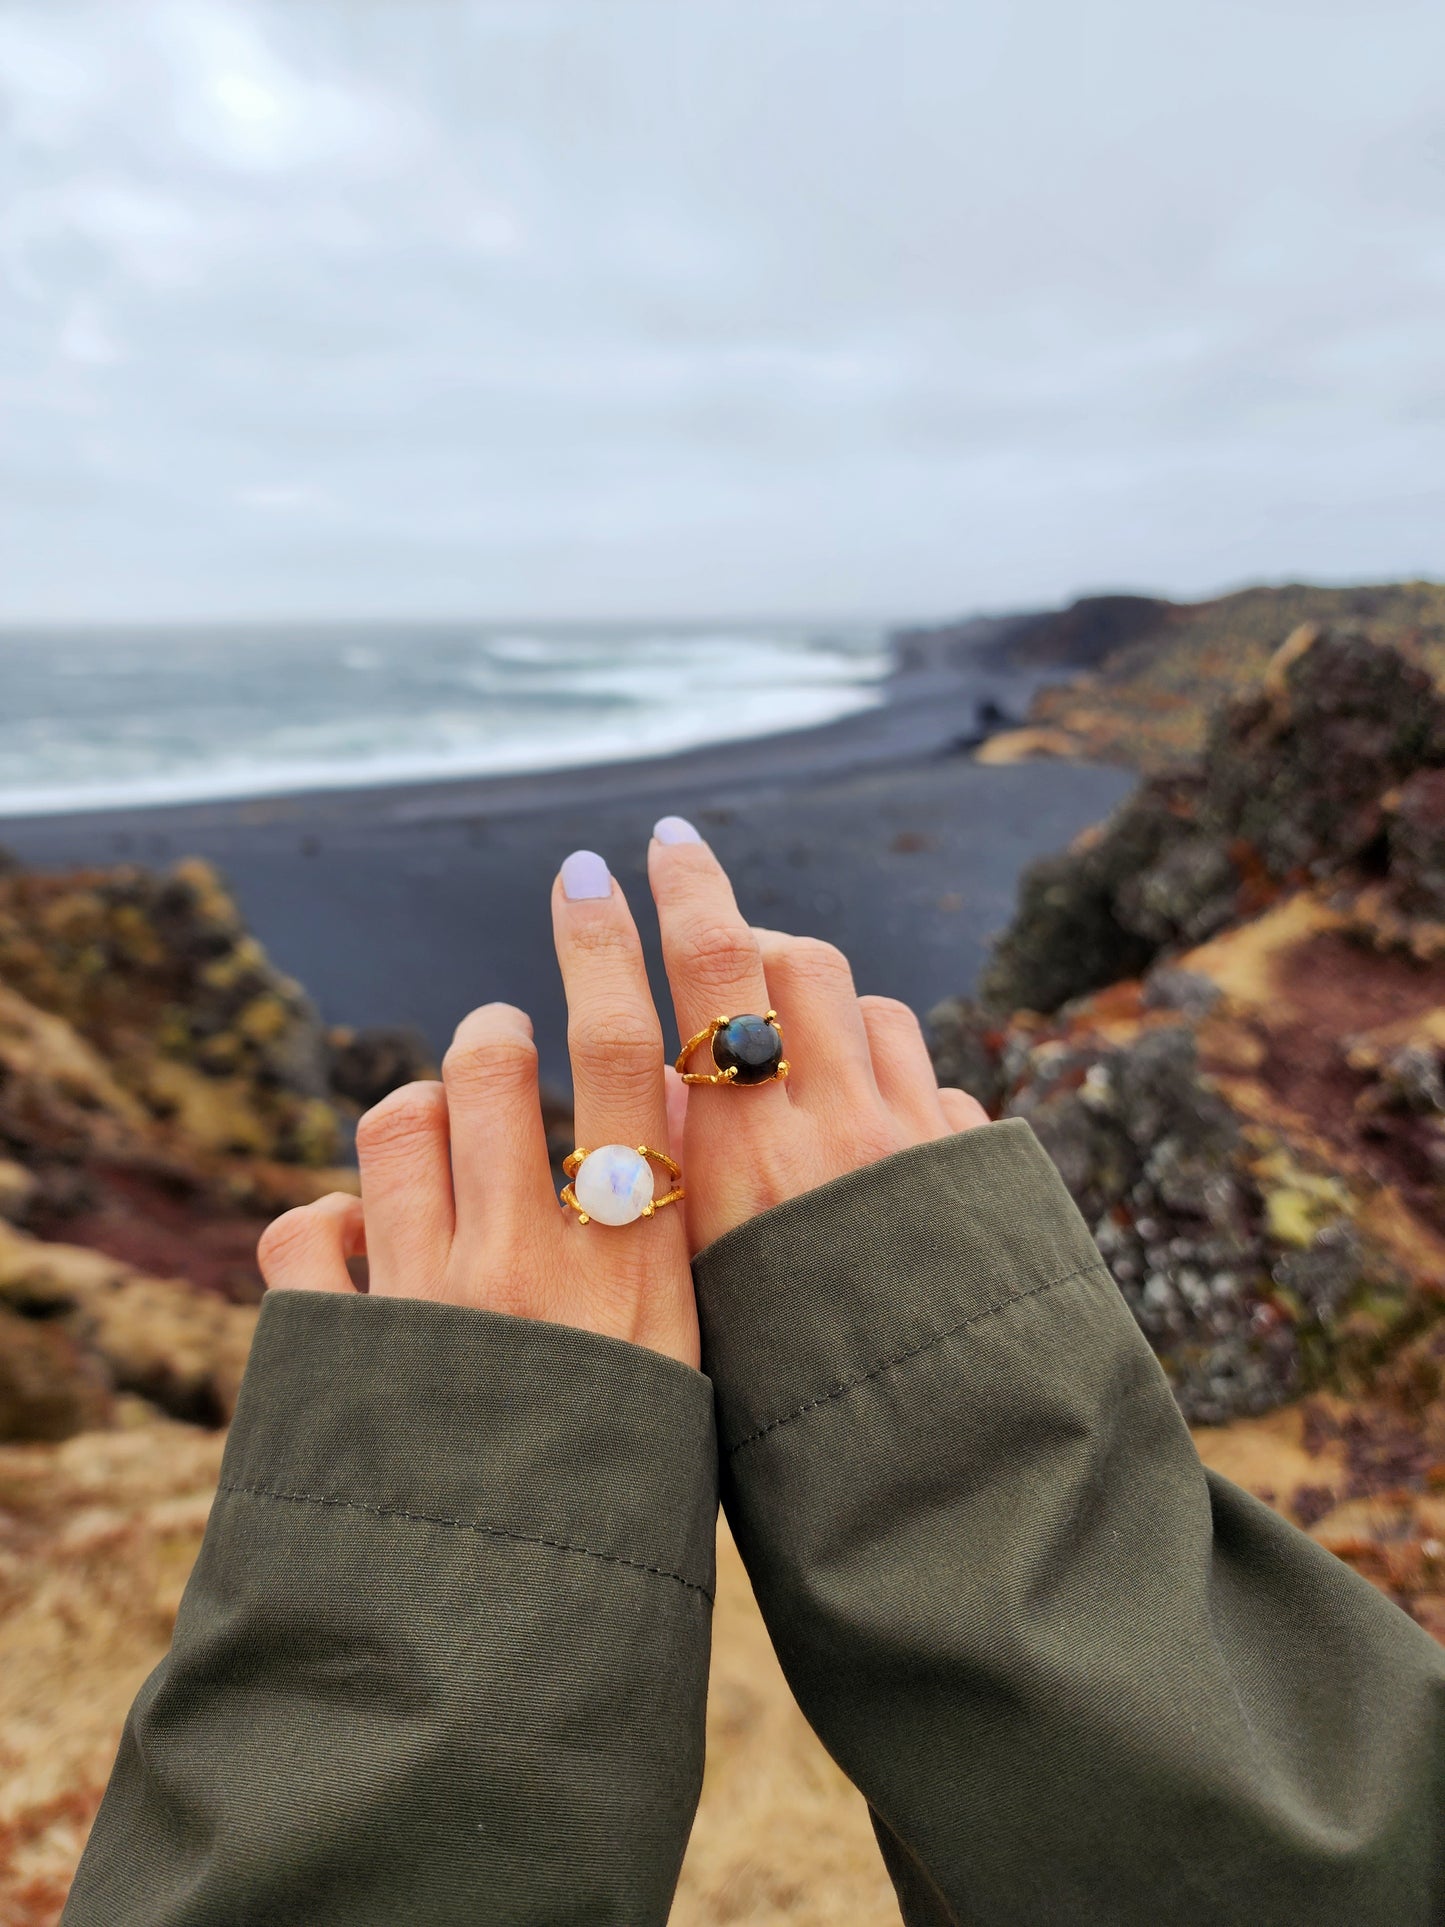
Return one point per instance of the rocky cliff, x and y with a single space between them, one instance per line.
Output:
1146 675
164 1092
1223 1011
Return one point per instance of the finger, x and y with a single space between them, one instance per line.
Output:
811 982
307 1249
676 1104
613 1031
501 1174
406 1186
964 1113
711 954
902 1067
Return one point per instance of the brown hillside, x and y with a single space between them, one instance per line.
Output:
1148 701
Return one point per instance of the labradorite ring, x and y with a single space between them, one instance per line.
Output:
745 1050
614 1184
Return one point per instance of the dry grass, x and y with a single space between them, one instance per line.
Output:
97 1537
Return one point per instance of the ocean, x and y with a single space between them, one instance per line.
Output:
95 719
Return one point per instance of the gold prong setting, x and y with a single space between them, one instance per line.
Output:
746 1050
616 1185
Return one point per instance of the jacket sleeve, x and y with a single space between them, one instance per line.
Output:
444 1653
1079 1679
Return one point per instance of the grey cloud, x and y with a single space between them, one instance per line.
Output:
882 305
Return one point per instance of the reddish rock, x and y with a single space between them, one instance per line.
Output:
1255 1132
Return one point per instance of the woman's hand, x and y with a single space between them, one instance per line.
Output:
860 1085
457 1198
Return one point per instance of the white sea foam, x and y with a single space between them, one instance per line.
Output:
104 720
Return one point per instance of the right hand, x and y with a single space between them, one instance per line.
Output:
861 1084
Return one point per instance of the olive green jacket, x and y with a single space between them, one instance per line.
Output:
444 1655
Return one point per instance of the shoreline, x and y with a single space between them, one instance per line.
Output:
921 713
410 903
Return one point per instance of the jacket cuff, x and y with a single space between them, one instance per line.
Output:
513 1427
834 1287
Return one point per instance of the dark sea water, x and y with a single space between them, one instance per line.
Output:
109 718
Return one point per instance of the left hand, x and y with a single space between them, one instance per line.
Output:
457 1198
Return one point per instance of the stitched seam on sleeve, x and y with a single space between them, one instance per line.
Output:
899 1358
462 1525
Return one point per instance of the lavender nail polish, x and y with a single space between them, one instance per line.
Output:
585 875
675 829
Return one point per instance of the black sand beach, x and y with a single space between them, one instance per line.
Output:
408 905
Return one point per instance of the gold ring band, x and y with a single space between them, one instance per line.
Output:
618 1189
745 1050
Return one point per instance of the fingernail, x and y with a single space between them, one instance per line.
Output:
584 874
675 829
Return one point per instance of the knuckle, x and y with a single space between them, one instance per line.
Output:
964 1109
720 955
340 1211
496 1063
633 1039
622 1047
889 1011
399 1121
603 937
814 963
286 1237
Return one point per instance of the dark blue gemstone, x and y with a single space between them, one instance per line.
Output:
750 1043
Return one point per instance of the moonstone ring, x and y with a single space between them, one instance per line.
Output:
745 1050
614 1184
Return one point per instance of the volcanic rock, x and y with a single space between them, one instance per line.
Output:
364 1066
1300 772
1417 844
50 1388
159 978
1344 743
1224 1014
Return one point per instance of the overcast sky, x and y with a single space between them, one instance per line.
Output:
613 307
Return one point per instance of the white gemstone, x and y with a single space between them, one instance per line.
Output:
614 1184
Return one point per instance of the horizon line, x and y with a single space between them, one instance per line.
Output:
895 618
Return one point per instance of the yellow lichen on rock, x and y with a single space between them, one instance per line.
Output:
217 1113
1298 1203
43 1050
